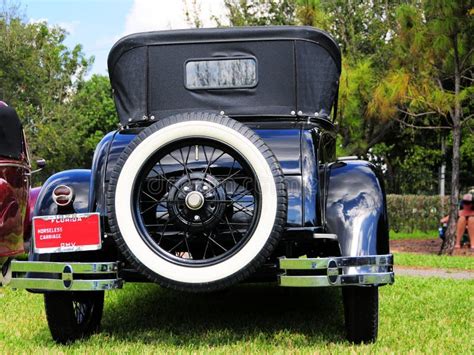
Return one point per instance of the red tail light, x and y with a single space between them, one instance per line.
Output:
63 195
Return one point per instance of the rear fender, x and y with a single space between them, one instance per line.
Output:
356 208
78 180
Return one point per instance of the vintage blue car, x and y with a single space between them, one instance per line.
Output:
223 170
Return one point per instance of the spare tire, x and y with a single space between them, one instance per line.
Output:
197 202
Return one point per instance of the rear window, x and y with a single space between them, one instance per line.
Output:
221 73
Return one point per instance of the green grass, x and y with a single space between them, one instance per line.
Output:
435 261
416 315
414 235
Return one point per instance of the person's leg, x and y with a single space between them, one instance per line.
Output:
460 231
470 229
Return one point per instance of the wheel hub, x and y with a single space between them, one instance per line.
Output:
197 202
194 200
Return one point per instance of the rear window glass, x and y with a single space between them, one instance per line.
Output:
221 73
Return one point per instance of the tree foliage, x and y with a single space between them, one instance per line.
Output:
260 12
429 81
94 109
64 115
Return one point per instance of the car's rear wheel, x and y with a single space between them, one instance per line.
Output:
361 311
73 315
197 202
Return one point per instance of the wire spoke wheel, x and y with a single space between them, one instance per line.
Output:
196 201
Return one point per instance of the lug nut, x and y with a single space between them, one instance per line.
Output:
186 188
197 218
205 188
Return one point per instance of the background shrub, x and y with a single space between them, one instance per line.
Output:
408 213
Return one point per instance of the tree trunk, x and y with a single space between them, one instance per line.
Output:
450 237
442 171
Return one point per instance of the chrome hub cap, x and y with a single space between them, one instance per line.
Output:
194 200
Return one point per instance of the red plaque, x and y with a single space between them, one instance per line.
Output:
67 233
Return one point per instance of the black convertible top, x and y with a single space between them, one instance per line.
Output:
298 70
11 133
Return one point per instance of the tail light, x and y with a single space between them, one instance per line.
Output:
63 195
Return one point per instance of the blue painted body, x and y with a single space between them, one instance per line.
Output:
285 143
344 198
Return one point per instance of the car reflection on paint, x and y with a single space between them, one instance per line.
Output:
16 197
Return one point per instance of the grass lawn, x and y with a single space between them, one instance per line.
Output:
436 261
413 235
416 315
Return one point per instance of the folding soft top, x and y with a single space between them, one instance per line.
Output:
243 71
11 133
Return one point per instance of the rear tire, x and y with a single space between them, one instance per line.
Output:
361 311
73 315
174 232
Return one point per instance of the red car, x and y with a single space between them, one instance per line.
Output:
16 198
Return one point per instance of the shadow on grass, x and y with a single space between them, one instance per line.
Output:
248 313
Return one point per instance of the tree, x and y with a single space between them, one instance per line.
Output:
312 13
360 129
429 84
260 12
192 13
362 30
94 112
39 76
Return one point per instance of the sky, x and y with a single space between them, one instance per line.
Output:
98 24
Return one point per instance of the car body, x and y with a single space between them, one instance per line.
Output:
15 171
223 170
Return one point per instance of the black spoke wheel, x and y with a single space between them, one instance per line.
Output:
73 315
197 202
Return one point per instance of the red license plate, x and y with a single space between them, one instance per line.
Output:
67 233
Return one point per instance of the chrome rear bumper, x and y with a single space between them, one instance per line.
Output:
374 270
301 272
64 276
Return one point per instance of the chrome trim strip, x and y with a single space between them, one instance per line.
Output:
324 236
58 267
59 285
16 165
382 278
348 157
342 261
